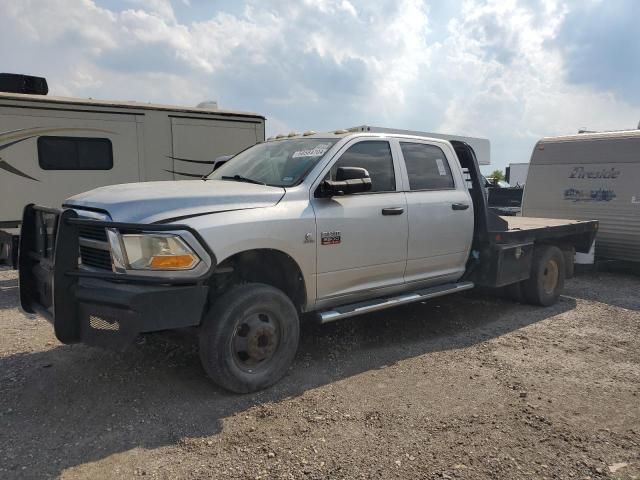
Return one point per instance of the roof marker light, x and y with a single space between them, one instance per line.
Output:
309 132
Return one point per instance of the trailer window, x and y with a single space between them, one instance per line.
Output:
427 167
75 153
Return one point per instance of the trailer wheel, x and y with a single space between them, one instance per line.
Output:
546 282
249 337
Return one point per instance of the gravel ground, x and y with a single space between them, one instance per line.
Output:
463 387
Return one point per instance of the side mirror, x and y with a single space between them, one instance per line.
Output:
349 180
351 173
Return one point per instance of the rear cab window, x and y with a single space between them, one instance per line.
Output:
427 167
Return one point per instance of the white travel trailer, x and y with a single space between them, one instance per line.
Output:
52 148
590 176
516 174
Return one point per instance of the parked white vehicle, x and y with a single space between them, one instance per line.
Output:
516 174
328 225
591 175
54 147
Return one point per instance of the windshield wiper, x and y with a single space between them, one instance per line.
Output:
240 178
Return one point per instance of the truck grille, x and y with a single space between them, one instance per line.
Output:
93 233
94 247
95 257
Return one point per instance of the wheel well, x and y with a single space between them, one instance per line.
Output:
271 267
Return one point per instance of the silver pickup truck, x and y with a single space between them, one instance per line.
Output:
318 226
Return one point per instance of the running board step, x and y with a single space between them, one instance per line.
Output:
354 309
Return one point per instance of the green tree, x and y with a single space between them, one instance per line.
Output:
496 175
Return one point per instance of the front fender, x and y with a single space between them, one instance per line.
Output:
288 228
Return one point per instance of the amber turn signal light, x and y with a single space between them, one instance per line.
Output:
169 262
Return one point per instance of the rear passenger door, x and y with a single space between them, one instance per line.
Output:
362 238
440 213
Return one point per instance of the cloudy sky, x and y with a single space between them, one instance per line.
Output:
509 70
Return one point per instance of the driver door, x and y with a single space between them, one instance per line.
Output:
362 238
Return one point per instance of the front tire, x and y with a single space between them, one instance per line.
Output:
249 337
546 282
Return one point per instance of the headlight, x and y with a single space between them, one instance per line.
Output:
149 251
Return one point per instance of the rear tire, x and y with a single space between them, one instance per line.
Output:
569 262
546 282
249 337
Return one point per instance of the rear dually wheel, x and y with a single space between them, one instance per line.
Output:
546 281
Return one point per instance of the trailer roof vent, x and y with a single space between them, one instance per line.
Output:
16 83
208 104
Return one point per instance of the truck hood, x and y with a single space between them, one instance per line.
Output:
151 202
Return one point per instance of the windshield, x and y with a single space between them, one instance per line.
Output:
282 163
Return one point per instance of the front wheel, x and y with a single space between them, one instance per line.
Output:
249 337
546 282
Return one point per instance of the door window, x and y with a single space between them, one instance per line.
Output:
427 167
373 156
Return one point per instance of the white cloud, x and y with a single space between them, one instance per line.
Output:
332 6
348 7
487 67
510 79
159 8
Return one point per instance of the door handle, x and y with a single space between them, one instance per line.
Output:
459 206
393 211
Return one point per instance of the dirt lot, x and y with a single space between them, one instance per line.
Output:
462 388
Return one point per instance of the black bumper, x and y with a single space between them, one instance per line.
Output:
9 249
96 307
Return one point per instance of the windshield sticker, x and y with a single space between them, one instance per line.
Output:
317 151
441 169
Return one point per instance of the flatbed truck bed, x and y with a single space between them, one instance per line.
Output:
538 229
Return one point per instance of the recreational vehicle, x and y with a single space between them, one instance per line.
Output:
53 147
590 176
516 174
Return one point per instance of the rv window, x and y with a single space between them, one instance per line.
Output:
74 153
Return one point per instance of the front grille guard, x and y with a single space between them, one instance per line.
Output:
49 269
